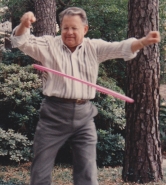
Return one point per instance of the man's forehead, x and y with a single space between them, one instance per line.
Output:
72 17
72 20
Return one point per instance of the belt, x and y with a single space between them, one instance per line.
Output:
77 101
65 100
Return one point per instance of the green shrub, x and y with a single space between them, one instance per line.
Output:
16 57
162 124
20 98
110 148
111 110
110 123
14 146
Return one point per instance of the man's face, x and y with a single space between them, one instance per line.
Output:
73 31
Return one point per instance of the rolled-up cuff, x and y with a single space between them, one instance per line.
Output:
127 52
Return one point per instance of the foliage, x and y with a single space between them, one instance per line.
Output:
162 123
111 115
16 57
14 146
20 98
107 19
110 148
15 9
162 28
111 110
110 123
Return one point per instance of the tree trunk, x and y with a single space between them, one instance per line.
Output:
45 12
142 161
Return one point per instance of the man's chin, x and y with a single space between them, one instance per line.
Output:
70 45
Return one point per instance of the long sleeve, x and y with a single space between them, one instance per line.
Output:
36 47
111 50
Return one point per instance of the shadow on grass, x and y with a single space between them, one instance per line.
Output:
62 175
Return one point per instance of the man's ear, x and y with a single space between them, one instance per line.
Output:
86 28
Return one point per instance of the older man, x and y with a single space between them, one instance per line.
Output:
66 111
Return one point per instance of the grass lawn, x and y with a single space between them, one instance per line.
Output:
62 175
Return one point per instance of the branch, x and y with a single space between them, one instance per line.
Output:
69 2
61 3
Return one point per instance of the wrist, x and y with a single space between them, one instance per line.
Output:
142 42
22 26
21 29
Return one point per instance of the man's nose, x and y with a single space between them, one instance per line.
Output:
70 31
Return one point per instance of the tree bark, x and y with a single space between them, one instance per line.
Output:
45 12
142 161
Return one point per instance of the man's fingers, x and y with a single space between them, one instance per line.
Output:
27 19
153 37
33 19
155 34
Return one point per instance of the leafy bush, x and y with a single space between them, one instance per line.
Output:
110 148
15 10
111 110
110 123
14 146
16 57
20 98
162 124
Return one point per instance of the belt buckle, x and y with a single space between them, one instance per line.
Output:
79 101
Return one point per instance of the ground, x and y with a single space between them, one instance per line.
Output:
62 175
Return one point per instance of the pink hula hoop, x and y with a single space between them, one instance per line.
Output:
97 87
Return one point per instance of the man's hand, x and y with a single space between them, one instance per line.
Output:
26 20
152 38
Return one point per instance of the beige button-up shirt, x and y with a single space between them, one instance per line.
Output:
83 63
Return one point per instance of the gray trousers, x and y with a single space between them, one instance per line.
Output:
58 122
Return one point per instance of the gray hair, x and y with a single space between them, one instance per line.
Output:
72 11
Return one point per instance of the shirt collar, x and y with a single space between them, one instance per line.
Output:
78 47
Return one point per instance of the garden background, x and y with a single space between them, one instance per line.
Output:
21 94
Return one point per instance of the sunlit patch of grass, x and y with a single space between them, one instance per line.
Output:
164 175
109 176
62 175
15 174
